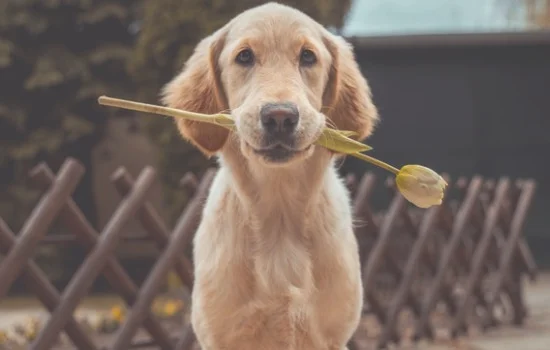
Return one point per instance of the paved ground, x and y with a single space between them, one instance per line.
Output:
534 335
18 310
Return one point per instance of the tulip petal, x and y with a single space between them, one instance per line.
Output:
420 185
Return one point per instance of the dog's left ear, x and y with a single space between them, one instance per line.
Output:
347 98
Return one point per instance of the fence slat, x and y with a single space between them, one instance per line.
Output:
187 339
404 289
183 232
516 227
461 221
376 256
513 288
361 210
491 259
39 221
156 228
479 256
479 244
73 219
526 256
48 295
96 260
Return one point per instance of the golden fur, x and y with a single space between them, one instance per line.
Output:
276 260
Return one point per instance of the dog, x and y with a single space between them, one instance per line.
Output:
276 260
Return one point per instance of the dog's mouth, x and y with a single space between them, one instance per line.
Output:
280 153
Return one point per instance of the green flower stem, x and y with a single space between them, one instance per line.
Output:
376 162
166 111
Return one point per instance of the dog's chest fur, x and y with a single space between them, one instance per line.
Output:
282 276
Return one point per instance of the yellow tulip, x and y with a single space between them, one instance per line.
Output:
420 185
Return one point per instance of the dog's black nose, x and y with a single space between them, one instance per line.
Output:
279 118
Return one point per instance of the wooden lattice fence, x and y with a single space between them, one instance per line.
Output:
468 254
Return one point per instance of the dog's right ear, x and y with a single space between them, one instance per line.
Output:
198 88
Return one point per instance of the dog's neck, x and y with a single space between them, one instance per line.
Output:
281 211
271 191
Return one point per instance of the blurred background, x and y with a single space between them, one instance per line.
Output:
463 86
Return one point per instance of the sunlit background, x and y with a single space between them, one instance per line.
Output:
402 17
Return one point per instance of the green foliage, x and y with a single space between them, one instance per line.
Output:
169 32
56 57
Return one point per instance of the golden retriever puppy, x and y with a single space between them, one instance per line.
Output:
276 260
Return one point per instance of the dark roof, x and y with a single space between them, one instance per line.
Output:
528 38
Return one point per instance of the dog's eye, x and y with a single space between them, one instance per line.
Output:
245 57
307 58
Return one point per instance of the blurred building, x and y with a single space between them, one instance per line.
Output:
463 87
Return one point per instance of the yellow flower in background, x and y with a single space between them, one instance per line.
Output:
31 328
117 314
13 336
170 308
3 337
167 308
420 185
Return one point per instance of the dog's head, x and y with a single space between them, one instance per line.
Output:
283 77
